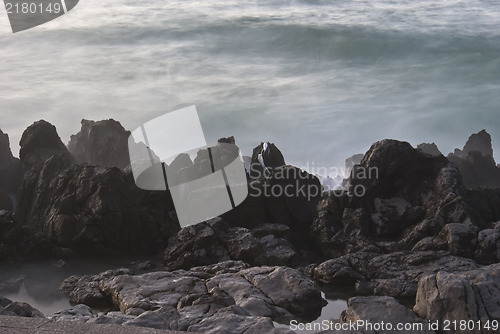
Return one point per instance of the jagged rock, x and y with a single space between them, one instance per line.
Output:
214 241
460 239
396 274
488 245
466 296
399 197
378 310
351 162
78 313
17 242
430 149
288 197
10 174
116 318
479 142
265 158
203 296
97 209
20 309
40 142
85 289
85 207
476 162
102 143
4 302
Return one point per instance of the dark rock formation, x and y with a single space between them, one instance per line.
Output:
476 162
214 241
10 174
351 162
228 297
395 274
102 143
85 207
265 158
430 149
39 143
479 142
467 296
95 209
8 307
376 310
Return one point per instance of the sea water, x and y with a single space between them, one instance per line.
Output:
321 79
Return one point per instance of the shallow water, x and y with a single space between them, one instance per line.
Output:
38 283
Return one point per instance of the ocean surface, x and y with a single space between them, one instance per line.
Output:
321 79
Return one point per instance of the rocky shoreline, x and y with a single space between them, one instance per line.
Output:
420 244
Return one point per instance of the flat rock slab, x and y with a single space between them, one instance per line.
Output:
15 325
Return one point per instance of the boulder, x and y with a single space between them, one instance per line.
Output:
78 313
265 158
20 309
395 274
40 142
10 174
214 241
430 149
469 296
476 162
373 311
204 297
351 162
398 197
93 209
102 143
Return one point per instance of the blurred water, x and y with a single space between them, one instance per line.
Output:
321 79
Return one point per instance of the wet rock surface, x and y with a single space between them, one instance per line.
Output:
206 298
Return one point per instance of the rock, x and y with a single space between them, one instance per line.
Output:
479 142
476 162
467 296
94 209
78 313
4 302
337 272
395 274
86 290
205 296
351 162
378 310
10 174
488 245
399 198
430 149
265 158
287 288
40 142
102 143
214 241
21 310
116 318
460 239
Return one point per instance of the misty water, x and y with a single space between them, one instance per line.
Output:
322 79
38 283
